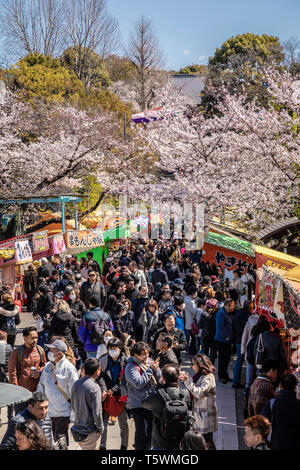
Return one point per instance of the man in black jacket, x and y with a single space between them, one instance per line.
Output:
30 286
90 288
172 270
284 415
36 410
156 403
178 336
159 275
239 321
45 270
165 352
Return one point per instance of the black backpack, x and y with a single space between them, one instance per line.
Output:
174 418
99 327
10 326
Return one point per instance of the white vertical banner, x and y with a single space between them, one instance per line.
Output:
188 222
166 216
155 211
178 220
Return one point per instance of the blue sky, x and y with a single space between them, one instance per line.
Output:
191 30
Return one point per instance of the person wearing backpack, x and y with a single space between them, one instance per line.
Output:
202 386
9 318
92 326
24 359
169 405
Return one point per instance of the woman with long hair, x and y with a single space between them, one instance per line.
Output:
202 386
29 436
63 323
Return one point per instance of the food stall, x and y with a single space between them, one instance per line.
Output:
229 253
278 297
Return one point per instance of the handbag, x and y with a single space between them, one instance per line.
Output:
259 355
195 328
114 405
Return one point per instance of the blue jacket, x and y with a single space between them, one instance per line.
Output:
137 307
137 383
223 326
86 326
9 439
179 317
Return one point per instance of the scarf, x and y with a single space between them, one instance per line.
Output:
144 366
195 378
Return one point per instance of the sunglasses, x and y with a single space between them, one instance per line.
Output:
92 275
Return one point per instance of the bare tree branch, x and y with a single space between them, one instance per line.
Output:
147 58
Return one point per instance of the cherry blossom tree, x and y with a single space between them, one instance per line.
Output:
48 150
245 157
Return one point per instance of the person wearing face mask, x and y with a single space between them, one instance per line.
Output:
56 382
102 348
112 368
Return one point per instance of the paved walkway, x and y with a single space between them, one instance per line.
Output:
226 438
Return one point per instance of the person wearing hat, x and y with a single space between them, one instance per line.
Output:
56 382
215 283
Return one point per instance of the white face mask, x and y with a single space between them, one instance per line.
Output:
113 353
51 356
106 339
73 296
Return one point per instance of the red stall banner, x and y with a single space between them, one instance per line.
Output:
227 259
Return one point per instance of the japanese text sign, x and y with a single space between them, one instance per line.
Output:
84 239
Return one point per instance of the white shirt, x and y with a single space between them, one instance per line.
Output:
66 375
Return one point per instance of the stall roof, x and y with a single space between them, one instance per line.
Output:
114 233
232 243
263 250
293 274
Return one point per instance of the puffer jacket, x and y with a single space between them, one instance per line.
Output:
9 439
9 311
87 324
155 403
64 324
138 382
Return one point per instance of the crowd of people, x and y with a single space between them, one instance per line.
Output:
109 344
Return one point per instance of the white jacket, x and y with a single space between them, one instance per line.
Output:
141 277
190 311
66 375
252 320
